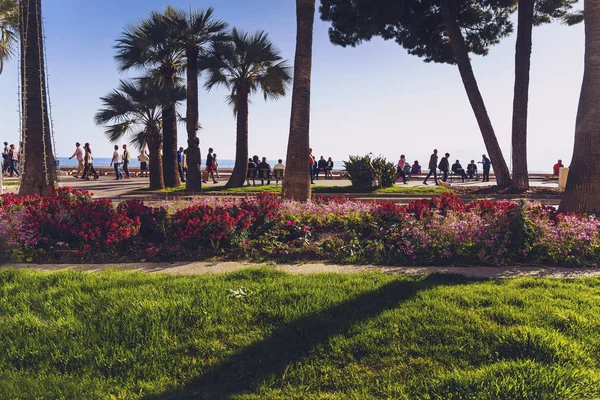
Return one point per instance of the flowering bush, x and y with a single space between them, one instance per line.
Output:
442 230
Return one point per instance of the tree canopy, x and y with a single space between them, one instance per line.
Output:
418 26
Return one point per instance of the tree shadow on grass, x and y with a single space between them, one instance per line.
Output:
271 357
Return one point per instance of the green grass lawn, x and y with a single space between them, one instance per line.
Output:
10 183
316 189
261 334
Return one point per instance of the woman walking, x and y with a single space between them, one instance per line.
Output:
88 163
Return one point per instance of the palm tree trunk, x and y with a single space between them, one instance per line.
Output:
240 169
296 185
194 181
170 165
155 166
583 185
39 172
521 95
461 56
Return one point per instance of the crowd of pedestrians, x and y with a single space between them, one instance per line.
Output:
11 158
258 168
405 170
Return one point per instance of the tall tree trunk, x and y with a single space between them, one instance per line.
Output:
39 172
240 169
170 165
583 184
296 185
461 56
155 166
521 95
194 180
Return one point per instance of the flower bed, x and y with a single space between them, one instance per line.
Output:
70 226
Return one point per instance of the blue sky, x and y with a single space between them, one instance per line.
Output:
372 98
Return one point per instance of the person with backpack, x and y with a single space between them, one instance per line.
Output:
444 166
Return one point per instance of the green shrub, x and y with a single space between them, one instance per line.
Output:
370 172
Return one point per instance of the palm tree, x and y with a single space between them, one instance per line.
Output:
150 47
195 32
296 185
39 171
135 108
530 13
583 185
461 57
245 65
9 21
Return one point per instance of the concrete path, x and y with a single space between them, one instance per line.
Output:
201 268
108 187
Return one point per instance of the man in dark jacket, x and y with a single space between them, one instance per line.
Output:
459 170
472 169
432 168
445 166
264 170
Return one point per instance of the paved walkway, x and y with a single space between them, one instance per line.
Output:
202 268
108 187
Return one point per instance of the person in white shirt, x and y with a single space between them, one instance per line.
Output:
79 154
143 158
278 170
116 160
279 165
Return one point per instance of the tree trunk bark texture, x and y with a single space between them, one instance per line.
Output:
240 169
465 68
170 165
194 177
296 184
521 94
582 194
157 181
39 172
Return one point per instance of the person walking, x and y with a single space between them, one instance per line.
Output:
400 170
78 154
88 161
116 160
126 159
486 164
5 161
210 166
13 157
432 168
444 166
216 166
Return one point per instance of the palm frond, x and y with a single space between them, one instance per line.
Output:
116 132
